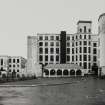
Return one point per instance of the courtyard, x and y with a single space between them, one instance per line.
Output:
59 91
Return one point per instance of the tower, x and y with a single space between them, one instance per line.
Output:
33 67
101 32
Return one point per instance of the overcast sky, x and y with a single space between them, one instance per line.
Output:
20 18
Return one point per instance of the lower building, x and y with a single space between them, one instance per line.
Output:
63 70
13 67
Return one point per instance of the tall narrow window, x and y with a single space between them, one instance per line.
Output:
46 50
46 58
80 57
68 50
40 58
85 29
57 50
85 65
57 58
51 50
85 57
40 38
68 58
1 61
85 49
40 50
51 58
46 37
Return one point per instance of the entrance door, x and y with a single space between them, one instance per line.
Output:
95 70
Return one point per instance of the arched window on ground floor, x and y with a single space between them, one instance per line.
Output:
52 72
72 72
59 72
78 72
46 71
65 72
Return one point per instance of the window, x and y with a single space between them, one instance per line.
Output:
72 50
57 37
85 65
68 50
46 37
40 43
40 50
46 43
13 65
9 60
40 38
94 51
89 36
13 60
89 43
76 58
89 58
51 50
9 65
57 50
76 43
80 36
51 58
72 58
46 58
76 37
17 60
9 70
17 65
89 65
57 43
94 44
84 36
68 44
73 44
80 63
72 37
85 42
85 49
51 43
80 30
85 57
51 37
85 29
80 50
68 58
1 61
57 58
80 43
76 50
80 57
89 50
89 30
94 58
68 37
17 70
40 58
46 50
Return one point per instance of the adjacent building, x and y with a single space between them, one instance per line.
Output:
13 66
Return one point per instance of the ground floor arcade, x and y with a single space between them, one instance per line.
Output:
59 70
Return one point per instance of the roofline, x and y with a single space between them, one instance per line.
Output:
101 16
83 21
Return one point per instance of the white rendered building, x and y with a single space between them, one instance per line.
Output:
101 33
